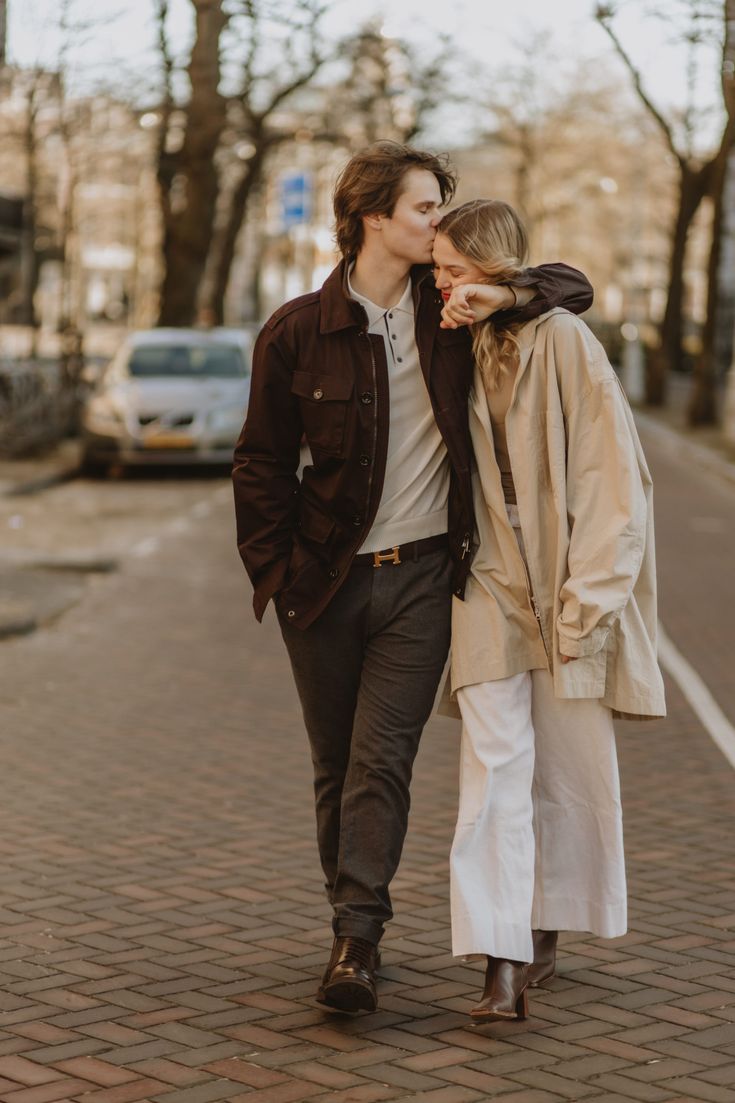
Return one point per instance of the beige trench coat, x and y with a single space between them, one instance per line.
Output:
586 513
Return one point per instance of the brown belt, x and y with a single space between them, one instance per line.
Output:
401 553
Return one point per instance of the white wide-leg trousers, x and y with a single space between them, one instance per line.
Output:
539 837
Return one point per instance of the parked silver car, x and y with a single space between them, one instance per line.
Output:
169 396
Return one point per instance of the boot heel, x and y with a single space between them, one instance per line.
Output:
522 1005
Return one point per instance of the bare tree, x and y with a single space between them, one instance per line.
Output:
389 91
256 124
3 30
717 340
36 83
187 176
698 177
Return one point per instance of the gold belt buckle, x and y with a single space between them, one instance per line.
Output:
379 558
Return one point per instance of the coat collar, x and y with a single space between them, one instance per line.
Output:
340 311
527 332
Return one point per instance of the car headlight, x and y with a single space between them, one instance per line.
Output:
102 416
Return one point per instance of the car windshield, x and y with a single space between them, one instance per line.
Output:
186 360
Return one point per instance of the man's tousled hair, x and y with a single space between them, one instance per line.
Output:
372 181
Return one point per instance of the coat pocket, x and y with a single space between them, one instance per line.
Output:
324 402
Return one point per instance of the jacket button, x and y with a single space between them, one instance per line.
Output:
357 521
318 393
458 592
364 461
366 398
290 613
334 572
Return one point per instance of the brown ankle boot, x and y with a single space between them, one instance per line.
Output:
544 957
349 980
505 996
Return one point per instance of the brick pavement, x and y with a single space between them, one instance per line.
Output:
163 925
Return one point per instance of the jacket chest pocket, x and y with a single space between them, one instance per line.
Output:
324 402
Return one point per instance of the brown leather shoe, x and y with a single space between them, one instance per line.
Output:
349 980
505 996
544 957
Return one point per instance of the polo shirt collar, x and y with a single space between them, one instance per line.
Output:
376 313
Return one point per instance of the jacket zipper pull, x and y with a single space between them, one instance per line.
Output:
465 545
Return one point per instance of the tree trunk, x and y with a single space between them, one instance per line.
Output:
29 265
717 340
189 222
670 352
702 408
227 239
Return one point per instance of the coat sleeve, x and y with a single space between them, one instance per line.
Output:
265 470
556 285
606 503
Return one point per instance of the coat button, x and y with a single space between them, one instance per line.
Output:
318 393
366 398
290 613
364 461
334 572
457 592
357 521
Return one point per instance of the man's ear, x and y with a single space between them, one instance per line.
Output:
373 221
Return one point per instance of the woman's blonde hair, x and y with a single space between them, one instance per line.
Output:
490 233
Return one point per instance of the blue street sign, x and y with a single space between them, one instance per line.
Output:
295 198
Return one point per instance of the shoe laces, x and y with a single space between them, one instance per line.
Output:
360 950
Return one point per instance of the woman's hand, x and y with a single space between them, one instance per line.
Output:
474 302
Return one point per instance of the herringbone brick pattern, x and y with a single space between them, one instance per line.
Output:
163 925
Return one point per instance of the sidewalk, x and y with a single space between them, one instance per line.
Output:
30 598
33 473
164 927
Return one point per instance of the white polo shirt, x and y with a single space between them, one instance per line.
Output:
415 494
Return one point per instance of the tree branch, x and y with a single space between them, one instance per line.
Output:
603 15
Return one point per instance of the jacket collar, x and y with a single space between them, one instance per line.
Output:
527 332
340 311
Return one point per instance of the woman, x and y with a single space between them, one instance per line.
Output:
557 632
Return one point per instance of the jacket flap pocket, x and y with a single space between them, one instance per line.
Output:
322 388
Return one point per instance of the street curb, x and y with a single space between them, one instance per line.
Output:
678 444
17 625
43 482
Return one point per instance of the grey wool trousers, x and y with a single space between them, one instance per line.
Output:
367 671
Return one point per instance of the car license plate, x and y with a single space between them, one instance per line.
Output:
168 440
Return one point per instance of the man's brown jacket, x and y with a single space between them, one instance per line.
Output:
319 374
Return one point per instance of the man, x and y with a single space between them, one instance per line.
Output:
363 554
